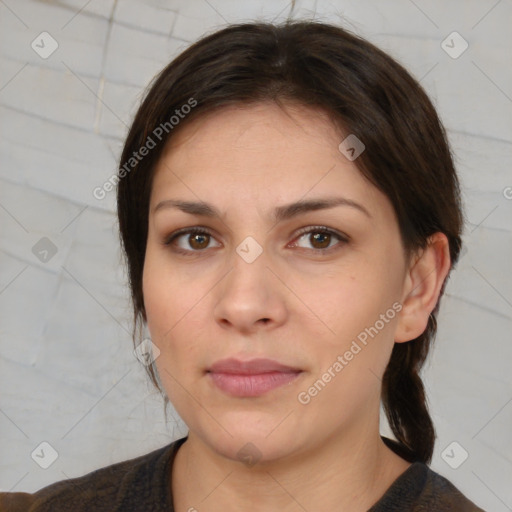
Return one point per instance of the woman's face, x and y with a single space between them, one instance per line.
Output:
323 303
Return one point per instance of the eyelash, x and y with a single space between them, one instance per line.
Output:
205 231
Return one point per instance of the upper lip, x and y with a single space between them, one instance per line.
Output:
250 367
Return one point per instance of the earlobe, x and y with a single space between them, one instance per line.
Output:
422 287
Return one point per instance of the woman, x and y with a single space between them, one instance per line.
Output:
290 213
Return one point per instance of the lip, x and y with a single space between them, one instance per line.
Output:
250 367
251 378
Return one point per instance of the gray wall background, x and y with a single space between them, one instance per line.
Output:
68 376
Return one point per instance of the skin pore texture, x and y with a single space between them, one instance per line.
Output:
299 306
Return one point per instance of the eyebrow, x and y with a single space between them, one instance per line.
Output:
280 213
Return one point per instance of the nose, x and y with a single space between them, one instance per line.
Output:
250 297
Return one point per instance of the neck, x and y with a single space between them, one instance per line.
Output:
347 472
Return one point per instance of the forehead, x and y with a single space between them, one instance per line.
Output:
259 154
246 127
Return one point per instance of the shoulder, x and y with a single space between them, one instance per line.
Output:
439 492
136 481
420 489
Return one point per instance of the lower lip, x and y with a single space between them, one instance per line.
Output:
251 385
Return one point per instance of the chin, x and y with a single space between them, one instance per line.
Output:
251 444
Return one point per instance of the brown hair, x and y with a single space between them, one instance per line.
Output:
366 93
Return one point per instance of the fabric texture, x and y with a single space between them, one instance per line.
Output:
142 484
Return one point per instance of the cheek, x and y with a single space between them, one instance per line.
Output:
175 311
356 304
164 296
347 301
160 300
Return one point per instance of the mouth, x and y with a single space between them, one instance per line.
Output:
251 378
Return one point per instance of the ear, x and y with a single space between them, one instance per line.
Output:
422 286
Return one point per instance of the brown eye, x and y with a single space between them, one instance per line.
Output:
192 240
320 239
198 240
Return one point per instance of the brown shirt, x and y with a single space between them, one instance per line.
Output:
142 485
